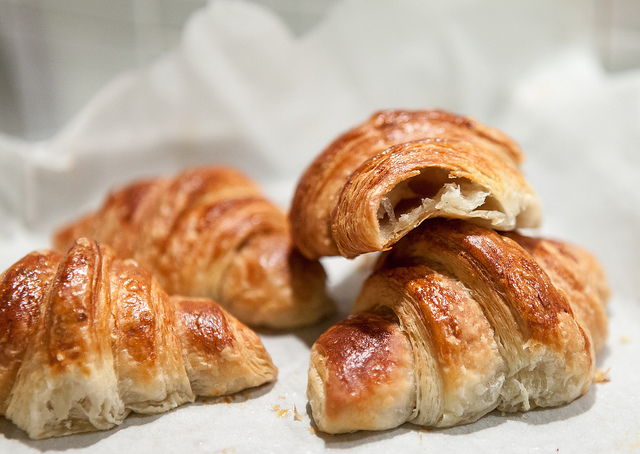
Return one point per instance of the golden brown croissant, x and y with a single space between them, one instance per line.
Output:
378 181
209 232
459 320
87 338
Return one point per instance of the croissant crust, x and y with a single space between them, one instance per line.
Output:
88 338
459 320
209 232
379 180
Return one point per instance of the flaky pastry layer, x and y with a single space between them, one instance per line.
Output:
209 232
379 180
88 338
473 321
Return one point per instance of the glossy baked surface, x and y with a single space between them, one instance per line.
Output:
492 321
209 232
88 337
379 180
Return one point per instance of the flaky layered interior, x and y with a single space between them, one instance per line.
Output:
354 199
435 193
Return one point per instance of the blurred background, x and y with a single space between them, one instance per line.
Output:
56 54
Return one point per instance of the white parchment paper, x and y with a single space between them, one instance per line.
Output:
243 90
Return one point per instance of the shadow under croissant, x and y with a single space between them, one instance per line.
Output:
10 431
239 397
342 290
536 417
310 334
342 293
75 441
603 356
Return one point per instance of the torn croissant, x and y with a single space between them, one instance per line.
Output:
457 321
88 338
209 232
378 181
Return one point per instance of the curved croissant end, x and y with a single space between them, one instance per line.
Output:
457 321
210 233
87 338
402 167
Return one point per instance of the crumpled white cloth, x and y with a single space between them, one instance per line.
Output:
242 90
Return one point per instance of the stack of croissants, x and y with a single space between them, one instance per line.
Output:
151 300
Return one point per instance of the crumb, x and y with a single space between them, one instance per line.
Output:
625 340
281 412
600 376
313 430
296 416
282 398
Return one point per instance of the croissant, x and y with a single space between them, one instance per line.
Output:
379 180
209 232
458 320
87 338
